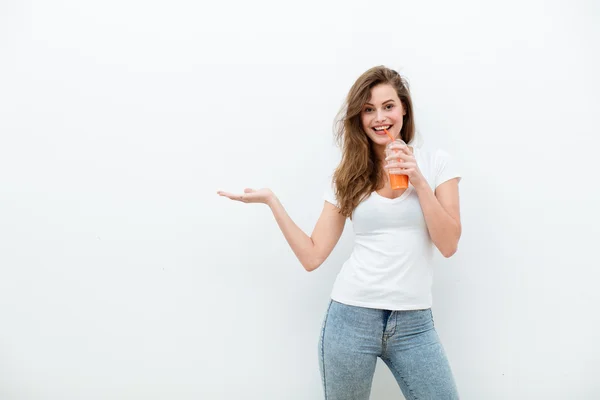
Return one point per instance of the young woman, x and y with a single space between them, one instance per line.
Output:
381 300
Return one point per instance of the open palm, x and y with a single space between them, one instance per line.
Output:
250 195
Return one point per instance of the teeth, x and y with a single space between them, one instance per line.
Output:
380 128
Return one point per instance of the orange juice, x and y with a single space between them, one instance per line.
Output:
396 181
399 181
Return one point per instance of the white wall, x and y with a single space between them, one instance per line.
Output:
124 275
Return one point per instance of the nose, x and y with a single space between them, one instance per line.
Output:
380 116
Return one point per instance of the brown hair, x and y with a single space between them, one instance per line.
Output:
359 173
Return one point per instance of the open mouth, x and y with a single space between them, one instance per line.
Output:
380 129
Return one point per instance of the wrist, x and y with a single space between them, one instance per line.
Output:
421 186
272 200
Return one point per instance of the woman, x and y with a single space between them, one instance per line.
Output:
381 300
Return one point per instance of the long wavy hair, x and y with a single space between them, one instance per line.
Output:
359 172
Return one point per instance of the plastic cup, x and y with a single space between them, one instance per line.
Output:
396 181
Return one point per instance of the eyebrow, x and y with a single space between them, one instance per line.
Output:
387 101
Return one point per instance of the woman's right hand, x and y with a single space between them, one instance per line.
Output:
250 196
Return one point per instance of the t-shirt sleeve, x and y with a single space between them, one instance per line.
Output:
329 194
445 168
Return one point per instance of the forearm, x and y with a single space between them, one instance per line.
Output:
443 229
302 245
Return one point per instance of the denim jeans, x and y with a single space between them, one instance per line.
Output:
353 337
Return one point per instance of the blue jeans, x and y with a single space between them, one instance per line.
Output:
353 337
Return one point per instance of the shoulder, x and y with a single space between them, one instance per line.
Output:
432 156
437 165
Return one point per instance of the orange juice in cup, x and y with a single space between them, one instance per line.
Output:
396 181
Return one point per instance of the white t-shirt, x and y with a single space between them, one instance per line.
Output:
390 266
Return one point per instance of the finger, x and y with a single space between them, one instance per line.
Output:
403 165
398 146
231 196
393 157
401 171
248 190
394 165
405 150
401 156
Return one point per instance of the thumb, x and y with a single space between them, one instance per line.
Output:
248 190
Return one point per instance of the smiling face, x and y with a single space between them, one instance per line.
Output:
383 110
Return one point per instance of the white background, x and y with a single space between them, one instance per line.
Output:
124 276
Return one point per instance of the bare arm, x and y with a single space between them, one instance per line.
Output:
442 214
440 209
312 250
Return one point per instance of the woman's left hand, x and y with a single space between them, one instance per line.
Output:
405 162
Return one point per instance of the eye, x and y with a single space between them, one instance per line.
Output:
389 106
368 109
